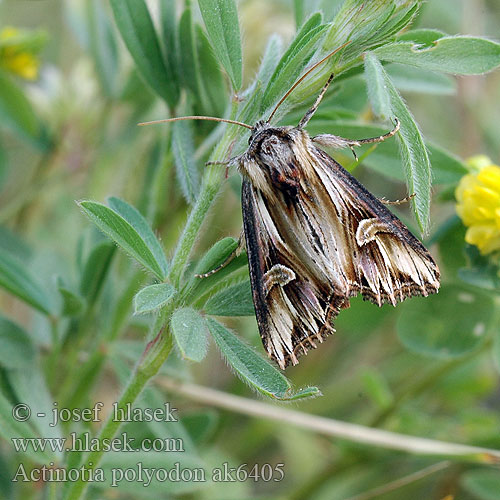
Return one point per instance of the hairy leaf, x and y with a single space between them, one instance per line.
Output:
190 333
460 55
221 21
387 102
132 233
136 27
153 297
235 300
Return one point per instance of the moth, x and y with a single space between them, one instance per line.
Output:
315 237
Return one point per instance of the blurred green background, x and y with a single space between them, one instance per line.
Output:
427 368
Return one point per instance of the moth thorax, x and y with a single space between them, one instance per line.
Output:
250 169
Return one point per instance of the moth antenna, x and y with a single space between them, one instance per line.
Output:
314 107
207 118
312 68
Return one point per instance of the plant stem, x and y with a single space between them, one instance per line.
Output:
56 350
210 187
329 427
212 181
402 481
154 356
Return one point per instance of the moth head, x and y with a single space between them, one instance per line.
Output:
270 143
257 129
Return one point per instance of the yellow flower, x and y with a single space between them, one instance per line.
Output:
18 51
478 204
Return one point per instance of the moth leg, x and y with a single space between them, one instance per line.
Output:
277 275
335 141
230 161
314 107
397 202
207 163
237 251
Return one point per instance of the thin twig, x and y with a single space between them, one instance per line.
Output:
330 427
402 481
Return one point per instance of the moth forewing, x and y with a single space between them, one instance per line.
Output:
316 237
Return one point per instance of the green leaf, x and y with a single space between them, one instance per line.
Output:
103 46
460 55
387 102
252 368
421 36
431 325
365 25
221 21
188 51
303 9
380 98
200 69
482 483
18 115
270 59
95 270
183 150
136 27
141 225
213 87
10 429
190 333
298 8
294 60
201 424
450 236
30 387
153 297
15 277
235 300
308 392
168 20
410 79
72 303
16 347
217 255
127 236
481 272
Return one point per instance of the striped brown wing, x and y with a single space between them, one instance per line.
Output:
315 242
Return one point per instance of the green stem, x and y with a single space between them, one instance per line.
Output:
52 361
212 182
154 356
210 187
